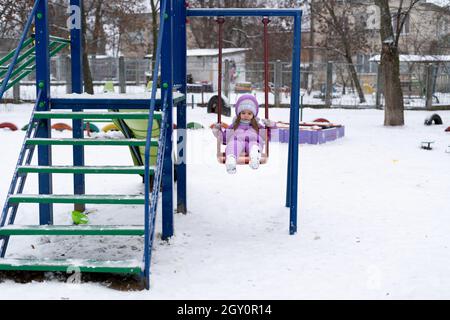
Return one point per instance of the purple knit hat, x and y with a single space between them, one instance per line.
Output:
247 102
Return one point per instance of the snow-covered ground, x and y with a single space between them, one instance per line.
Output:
374 217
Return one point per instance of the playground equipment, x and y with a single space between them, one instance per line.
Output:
244 159
321 120
292 173
90 127
109 87
8 125
426 145
433 119
149 86
171 58
15 66
243 87
213 104
368 89
317 132
137 129
110 127
25 127
194 126
61 126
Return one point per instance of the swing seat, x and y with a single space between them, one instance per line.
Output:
243 159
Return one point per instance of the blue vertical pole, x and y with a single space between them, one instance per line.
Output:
290 148
294 124
180 75
167 85
43 83
289 170
76 51
76 45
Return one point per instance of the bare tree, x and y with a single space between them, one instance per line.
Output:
390 58
104 18
236 33
13 16
441 19
344 37
246 32
100 20
154 5
202 27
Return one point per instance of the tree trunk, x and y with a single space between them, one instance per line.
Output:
350 65
154 31
312 44
344 32
354 76
393 95
390 69
98 28
344 83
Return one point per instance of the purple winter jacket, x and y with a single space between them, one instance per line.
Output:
243 132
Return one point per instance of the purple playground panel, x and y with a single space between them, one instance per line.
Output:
310 136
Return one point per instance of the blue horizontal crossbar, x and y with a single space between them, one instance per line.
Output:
99 104
246 12
103 103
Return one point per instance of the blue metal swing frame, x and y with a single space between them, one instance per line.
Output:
293 156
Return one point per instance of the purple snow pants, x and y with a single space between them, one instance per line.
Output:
242 140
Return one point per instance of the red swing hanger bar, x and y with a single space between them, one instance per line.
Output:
220 22
266 21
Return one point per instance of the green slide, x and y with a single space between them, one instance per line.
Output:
137 129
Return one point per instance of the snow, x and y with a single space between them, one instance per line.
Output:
213 52
373 217
416 58
210 52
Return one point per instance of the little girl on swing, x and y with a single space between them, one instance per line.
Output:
246 134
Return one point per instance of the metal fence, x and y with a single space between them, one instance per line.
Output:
424 85
324 84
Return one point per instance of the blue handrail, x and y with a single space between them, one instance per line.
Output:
12 187
19 48
150 208
153 205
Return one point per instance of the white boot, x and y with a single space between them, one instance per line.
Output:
230 164
255 157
